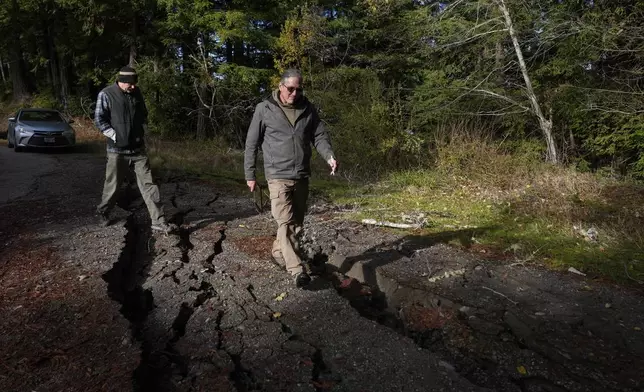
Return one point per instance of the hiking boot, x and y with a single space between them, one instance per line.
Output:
164 227
302 279
316 268
103 219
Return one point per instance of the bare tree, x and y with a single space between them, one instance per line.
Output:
4 79
544 123
134 40
487 23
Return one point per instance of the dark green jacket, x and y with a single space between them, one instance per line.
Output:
287 148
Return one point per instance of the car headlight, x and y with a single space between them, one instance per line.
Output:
68 132
24 131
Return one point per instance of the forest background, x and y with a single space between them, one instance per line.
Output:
518 122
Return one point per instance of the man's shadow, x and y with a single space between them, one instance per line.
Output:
384 254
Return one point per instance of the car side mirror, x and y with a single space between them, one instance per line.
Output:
71 121
12 119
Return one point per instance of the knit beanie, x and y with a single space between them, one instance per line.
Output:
127 75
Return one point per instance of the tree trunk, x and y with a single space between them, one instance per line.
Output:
202 89
17 65
544 123
134 38
17 73
4 79
63 80
54 71
201 118
238 52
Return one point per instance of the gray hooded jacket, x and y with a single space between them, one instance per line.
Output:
286 148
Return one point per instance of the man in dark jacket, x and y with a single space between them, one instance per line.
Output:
285 125
121 115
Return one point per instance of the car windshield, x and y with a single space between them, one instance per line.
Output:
40 116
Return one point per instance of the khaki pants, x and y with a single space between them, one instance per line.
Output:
115 171
288 206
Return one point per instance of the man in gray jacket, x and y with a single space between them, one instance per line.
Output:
285 125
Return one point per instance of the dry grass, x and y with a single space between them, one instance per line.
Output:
526 187
86 132
207 160
196 155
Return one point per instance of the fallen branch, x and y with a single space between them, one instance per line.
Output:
502 295
576 271
391 224
629 276
527 259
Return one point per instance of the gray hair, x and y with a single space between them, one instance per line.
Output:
291 73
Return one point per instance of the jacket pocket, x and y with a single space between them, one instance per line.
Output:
122 135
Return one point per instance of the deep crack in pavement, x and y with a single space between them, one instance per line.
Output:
125 287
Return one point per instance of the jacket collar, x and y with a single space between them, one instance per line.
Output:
302 107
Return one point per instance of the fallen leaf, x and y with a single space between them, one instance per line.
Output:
277 315
637 328
280 297
242 225
522 370
608 306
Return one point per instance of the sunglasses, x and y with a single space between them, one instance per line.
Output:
290 89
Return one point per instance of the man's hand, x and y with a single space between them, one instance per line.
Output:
334 165
251 184
110 133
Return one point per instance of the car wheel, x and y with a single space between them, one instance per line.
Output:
9 144
17 148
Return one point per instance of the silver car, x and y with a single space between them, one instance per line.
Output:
39 128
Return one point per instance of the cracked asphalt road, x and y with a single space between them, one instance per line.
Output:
85 308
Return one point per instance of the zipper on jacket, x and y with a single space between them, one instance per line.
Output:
292 134
292 139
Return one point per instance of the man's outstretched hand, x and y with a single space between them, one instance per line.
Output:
334 165
251 185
